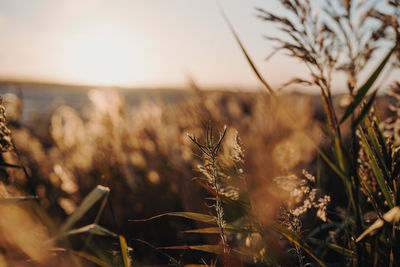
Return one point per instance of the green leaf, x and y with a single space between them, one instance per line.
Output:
375 169
378 149
94 229
17 199
94 196
364 111
362 92
189 215
124 251
344 251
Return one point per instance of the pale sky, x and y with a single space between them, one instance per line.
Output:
137 43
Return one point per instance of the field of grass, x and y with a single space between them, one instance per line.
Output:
220 178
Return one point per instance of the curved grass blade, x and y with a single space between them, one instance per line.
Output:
124 251
249 60
93 229
189 215
94 196
362 92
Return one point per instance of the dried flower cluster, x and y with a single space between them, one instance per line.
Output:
301 195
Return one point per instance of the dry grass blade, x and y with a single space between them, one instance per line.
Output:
249 60
189 215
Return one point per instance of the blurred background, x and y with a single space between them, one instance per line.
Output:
105 92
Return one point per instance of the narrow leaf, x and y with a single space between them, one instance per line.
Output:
378 148
248 58
375 169
189 215
94 229
364 111
362 92
87 203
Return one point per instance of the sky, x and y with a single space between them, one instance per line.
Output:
138 43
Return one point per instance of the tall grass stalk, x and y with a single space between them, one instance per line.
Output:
210 151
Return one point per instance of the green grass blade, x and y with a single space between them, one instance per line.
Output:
362 92
364 111
94 196
189 215
124 251
376 170
378 150
94 229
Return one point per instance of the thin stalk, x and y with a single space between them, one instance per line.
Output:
218 207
